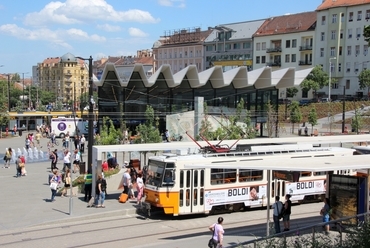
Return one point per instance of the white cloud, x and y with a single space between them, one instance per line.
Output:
83 11
135 32
172 3
109 28
57 37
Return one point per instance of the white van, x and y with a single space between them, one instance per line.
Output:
61 125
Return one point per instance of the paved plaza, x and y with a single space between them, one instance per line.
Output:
25 199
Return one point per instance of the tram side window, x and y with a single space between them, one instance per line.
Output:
221 176
306 173
246 175
320 173
201 178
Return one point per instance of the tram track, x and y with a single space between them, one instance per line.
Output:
169 227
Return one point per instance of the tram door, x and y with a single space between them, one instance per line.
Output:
277 189
191 194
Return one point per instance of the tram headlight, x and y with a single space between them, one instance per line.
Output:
156 199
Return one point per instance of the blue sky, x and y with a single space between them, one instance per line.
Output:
31 31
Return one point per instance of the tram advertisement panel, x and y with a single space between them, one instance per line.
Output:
299 189
249 195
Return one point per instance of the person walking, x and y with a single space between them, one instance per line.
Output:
77 142
67 182
38 139
76 161
22 165
54 181
287 212
139 187
126 181
66 160
278 208
325 213
8 157
167 134
18 162
54 160
88 185
100 193
82 143
218 233
27 142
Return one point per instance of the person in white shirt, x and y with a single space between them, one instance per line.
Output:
278 208
82 143
139 187
127 182
67 160
76 161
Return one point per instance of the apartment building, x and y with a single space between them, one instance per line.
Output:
340 45
180 48
231 45
286 41
66 76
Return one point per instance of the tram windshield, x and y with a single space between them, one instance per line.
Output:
160 173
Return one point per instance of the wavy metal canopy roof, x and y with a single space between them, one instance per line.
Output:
239 77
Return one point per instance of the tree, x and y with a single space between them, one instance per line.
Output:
149 132
312 118
364 80
84 99
316 80
357 121
272 117
291 92
295 113
206 126
109 135
367 33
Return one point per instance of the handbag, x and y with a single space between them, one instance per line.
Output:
5 157
53 185
211 242
21 165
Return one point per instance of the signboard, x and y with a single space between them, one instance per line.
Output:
299 189
251 196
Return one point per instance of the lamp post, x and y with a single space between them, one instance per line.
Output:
8 92
344 109
91 113
330 59
23 89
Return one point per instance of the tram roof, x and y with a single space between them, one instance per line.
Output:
297 164
170 146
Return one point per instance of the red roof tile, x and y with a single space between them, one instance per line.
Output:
291 23
327 4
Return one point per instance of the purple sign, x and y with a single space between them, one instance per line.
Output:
62 126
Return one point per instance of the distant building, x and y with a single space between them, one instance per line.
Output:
340 45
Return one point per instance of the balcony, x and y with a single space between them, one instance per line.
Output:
273 64
274 50
305 48
304 62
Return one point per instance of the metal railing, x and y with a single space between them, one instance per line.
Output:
313 230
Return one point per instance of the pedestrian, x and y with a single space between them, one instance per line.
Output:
139 187
18 166
306 131
27 142
66 160
38 138
218 233
54 159
66 140
76 161
54 181
126 181
52 138
67 182
325 213
278 208
167 135
100 193
8 156
88 185
287 212
82 143
77 142
22 165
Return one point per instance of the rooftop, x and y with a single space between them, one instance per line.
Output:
327 4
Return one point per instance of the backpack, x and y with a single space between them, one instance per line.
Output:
280 211
103 184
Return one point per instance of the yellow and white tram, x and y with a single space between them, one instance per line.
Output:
179 191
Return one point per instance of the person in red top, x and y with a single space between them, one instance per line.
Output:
104 166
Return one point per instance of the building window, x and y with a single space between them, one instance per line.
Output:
246 45
358 33
294 58
236 46
322 36
304 93
350 16
333 35
341 33
294 43
334 18
349 33
186 54
209 48
366 47
349 50
257 59
228 46
321 52
258 46
359 15
263 59
287 43
357 50
340 51
342 19
263 46
191 54
323 20
367 14
348 84
287 58
339 67
348 66
332 51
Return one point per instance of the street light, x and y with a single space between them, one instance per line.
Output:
91 112
330 59
23 89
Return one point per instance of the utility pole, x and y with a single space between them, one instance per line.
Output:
9 108
344 109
